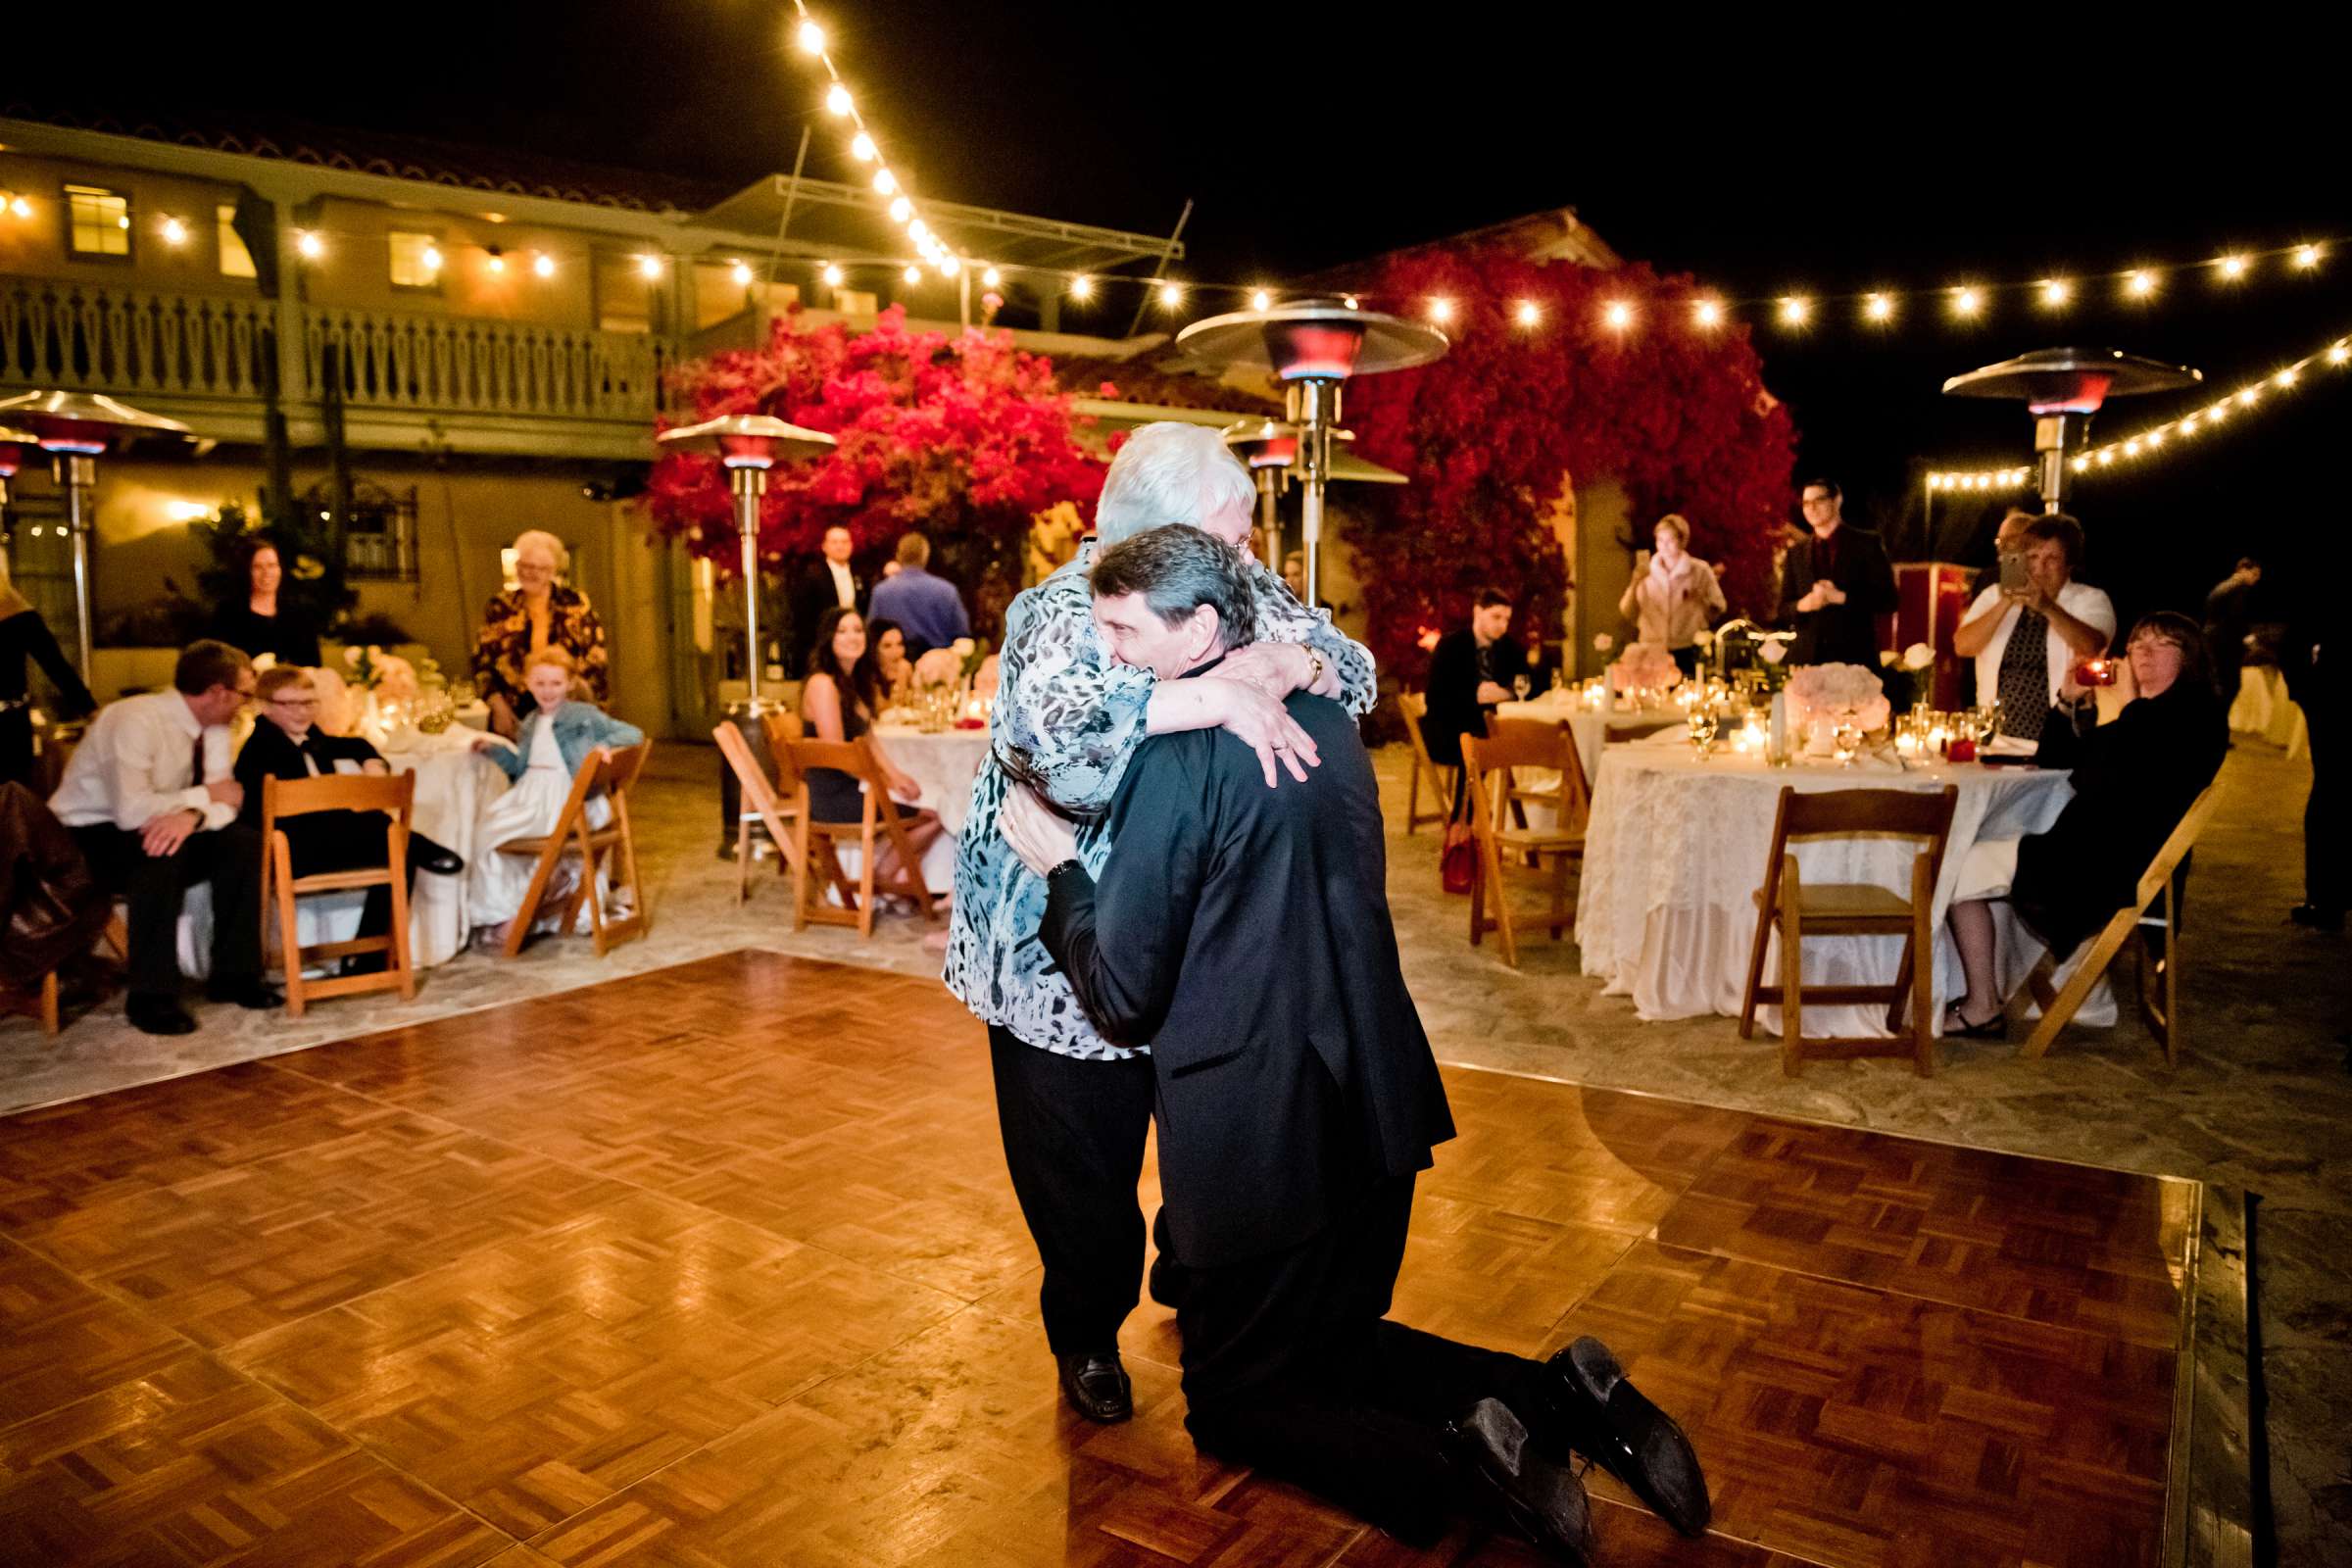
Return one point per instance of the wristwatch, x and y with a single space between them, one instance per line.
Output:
1315 675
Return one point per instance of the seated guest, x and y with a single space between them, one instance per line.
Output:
838 704
1243 933
286 744
149 800
1293 575
1674 595
558 736
259 623
2134 780
51 909
2027 640
926 608
539 612
894 671
1470 670
25 635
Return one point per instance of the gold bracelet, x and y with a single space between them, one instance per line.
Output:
1315 678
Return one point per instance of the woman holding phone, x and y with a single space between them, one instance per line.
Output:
1674 595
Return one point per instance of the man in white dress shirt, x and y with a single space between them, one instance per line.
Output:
151 801
2063 620
830 581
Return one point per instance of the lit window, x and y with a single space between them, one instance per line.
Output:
416 261
235 259
97 220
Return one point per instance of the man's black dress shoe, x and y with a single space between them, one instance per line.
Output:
253 994
1538 1498
1165 1281
440 860
2313 918
1604 1418
158 1016
1097 1386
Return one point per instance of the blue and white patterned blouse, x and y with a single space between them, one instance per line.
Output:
1067 719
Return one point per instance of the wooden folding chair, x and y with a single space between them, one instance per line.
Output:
1486 767
1415 709
596 847
283 799
760 802
1851 910
2159 988
878 821
41 1001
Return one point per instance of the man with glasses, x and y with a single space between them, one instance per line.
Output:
149 800
1835 585
286 742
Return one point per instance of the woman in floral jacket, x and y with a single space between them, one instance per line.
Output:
539 612
1072 1106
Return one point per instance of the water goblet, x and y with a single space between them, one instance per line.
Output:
1704 727
1521 685
1846 738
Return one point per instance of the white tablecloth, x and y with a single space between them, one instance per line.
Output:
452 786
1591 728
1676 849
2264 709
945 765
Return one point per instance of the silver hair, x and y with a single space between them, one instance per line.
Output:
1170 472
553 545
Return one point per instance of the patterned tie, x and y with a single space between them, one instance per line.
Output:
2025 681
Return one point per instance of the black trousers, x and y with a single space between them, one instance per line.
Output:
1074 1142
228 857
1291 1367
347 841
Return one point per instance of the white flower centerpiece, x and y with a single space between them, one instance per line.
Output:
1825 697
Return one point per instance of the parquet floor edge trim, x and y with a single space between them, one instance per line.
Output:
2217 1495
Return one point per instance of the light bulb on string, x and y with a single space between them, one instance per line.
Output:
1082 287
837 100
19 207
811 38
2140 283
431 259
2249 396
742 274
175 231
1968 301
863 148
1261 300
2339 353
1170 295
2155 437
1529 313
886 182
1795 310
2307 257
950 265
1617 316
2106 455
1707 313
496 261
991 278
310 245
2285 378
920 231
1441 309
649 266
2233 266
2188 425
832 276
1348 299
912 275
544 265
1879 308
2055 293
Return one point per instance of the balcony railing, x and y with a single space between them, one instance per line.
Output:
131 341
438 363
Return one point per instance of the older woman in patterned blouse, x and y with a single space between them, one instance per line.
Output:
1073 1107
538 613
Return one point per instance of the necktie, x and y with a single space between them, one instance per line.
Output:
196 762
2025 681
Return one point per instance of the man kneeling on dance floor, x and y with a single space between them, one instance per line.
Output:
1245 933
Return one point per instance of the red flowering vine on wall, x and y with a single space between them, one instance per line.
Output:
965 437
1679 418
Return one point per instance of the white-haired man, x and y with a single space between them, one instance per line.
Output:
1074 1107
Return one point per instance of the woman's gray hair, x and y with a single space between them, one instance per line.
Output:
1178 569
546 541
1170 472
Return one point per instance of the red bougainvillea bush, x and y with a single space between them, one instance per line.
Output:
1676 415
964 437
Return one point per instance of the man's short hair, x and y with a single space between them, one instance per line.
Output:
1178 569
914 550
1170 472
1837 491
206 663
2066 530
1488 599
278 678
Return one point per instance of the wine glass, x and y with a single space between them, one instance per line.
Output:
1704 727
1521 685
1846 738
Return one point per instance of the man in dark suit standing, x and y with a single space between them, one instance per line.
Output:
829 580
1245 933
1835 585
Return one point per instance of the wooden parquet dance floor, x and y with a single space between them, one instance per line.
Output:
720 1265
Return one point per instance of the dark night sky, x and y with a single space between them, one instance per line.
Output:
1826 158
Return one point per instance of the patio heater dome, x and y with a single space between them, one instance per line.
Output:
2061 388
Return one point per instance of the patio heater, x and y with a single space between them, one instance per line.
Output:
748 445
15 445
1313 347
1267 448
76 429
2061 388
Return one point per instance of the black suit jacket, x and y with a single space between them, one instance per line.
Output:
1452 696
813 595
319 840
1846 633
1245 932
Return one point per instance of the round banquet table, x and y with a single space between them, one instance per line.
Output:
1676 849
1591 727
452 784
945 765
